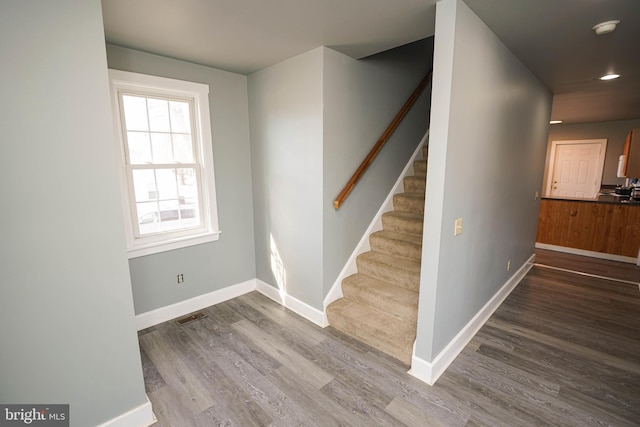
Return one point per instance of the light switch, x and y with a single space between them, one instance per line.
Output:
458 227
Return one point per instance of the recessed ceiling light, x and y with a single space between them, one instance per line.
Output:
610 76
606 27
555 122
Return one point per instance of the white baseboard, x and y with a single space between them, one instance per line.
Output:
429 372
162 314
376 225
592 254
142 416
300 308
422 370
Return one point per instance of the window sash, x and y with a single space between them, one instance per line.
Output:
180 229
133 202
200 161
190 101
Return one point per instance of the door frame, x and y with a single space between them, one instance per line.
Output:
552 158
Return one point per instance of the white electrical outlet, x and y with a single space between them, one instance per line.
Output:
537 195
180 278
508 265
458 227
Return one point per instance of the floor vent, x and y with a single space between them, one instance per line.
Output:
190 318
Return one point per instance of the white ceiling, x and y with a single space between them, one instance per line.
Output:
244 36
553 38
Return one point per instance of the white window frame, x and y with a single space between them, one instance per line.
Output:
147 85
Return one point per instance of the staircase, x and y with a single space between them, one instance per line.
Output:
380 302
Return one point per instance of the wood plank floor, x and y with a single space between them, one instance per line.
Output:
613 269
563 349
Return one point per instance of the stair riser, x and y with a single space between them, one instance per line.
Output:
404 203
397 310
397 248
402 225
415 184
420 167
370 337
388 273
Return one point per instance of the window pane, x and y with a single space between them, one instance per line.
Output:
147 212
161 145
190 212
158 115
169 211
187 184
166 199
139 148
148 217
167 183
182 148
188 196
171 216
180 118
144 184
135 112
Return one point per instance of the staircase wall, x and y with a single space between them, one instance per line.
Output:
285 110
361 97
487 144
313 118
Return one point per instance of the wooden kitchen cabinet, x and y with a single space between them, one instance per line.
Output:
632 151
612 228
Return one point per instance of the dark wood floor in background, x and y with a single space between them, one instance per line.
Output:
563 349
601 267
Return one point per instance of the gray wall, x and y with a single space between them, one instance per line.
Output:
615 133
360 100
286 149
313 120
488 138
66 311
230 260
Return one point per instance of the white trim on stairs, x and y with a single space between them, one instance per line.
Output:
429 372
300 308
141 416
376 225
162 314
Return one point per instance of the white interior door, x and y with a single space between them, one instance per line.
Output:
576 168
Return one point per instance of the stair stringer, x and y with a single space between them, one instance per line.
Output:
363 246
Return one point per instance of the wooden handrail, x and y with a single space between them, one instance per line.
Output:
383 139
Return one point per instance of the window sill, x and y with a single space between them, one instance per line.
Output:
164 246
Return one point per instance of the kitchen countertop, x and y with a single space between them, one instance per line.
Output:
610 198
